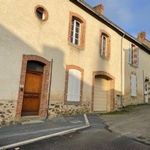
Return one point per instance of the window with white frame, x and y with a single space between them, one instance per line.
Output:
133 84
75 32
77 28
134 55
105 45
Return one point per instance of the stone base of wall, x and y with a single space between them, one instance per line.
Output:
58 108
129 100
7 112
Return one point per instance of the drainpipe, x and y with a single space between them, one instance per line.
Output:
143 86
50 79
121 70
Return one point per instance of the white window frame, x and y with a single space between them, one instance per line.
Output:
75 31
104 45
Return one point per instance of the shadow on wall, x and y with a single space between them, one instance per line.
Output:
59 88
12 49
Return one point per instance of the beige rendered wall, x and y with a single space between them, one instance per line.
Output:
22 33
141 72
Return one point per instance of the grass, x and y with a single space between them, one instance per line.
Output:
123 110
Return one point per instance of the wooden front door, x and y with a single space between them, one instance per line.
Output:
32 91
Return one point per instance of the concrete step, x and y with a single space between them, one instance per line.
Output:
31 120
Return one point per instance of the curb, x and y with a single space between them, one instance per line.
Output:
141 141
65 132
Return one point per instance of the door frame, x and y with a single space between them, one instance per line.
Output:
46 83
107 76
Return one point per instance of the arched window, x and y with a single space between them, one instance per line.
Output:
104 45
77 30
35 66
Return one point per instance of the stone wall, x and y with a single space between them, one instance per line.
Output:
7 112
58 108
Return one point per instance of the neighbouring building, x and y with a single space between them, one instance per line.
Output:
64 57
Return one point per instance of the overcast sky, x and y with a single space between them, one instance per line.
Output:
131 15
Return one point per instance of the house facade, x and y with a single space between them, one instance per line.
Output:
64 57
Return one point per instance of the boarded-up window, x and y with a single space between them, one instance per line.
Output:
74 85
133 85
134 55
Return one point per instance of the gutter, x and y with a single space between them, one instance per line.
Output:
49 90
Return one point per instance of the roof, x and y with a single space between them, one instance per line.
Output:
115 27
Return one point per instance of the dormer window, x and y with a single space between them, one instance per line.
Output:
104 45
77 30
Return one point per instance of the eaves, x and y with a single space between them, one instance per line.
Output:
110 24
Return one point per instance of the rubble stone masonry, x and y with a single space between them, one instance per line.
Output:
7 112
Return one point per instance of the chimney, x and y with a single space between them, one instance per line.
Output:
99 9
141 36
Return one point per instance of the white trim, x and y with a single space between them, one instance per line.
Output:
74 32
104 49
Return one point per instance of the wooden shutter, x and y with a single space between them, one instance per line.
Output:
136 56
74 85
133 85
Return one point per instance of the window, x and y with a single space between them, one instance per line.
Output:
35 66
134 55
74 84
104 45
41 13
77 30
133 85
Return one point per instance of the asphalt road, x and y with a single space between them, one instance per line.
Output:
94 138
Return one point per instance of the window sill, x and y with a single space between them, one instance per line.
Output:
106 58
133 65
75 46
133 96
72 103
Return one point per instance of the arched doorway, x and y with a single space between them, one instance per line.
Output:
34 87
103 92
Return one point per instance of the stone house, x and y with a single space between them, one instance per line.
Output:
65 57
